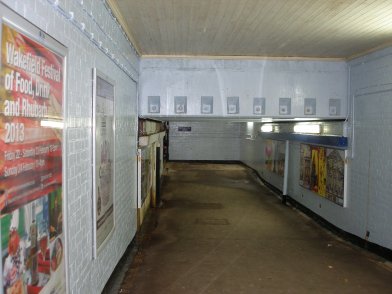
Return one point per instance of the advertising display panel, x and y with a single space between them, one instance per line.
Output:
322 170
274 153
103 158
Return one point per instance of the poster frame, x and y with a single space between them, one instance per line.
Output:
97 249
274 167
345 172
22 25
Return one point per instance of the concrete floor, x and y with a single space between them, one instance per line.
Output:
221 231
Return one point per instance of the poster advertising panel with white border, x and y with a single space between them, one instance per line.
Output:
323 170
274 153
103 145
31 149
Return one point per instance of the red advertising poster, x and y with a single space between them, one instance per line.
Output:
31 201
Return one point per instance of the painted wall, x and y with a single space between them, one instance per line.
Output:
369 201
207 140
120 63
246 79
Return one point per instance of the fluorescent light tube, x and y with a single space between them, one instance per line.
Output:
266 128
307 128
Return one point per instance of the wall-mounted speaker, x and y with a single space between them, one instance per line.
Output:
233 105
258 106
334 107
154 104
180 104
310 106
207 105
284 106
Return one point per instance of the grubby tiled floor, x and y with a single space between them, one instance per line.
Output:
221 231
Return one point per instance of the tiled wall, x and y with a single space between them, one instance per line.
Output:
208 140
271 80
100 44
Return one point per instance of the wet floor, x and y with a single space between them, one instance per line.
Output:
221 231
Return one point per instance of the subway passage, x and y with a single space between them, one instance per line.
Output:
220 230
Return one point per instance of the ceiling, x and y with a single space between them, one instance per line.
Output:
266 28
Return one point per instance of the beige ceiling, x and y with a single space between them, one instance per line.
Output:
268 28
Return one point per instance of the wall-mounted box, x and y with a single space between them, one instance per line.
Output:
233 105
258 106
310 106
284 106
154 104
207 105
334 107
180 104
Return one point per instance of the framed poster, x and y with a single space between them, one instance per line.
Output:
31 151
146 170
274 152
269 153
103 159
323 170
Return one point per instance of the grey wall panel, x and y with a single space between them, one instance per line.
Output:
205 141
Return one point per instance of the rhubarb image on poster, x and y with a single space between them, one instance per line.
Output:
317 170
322 171
103 159
31 199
